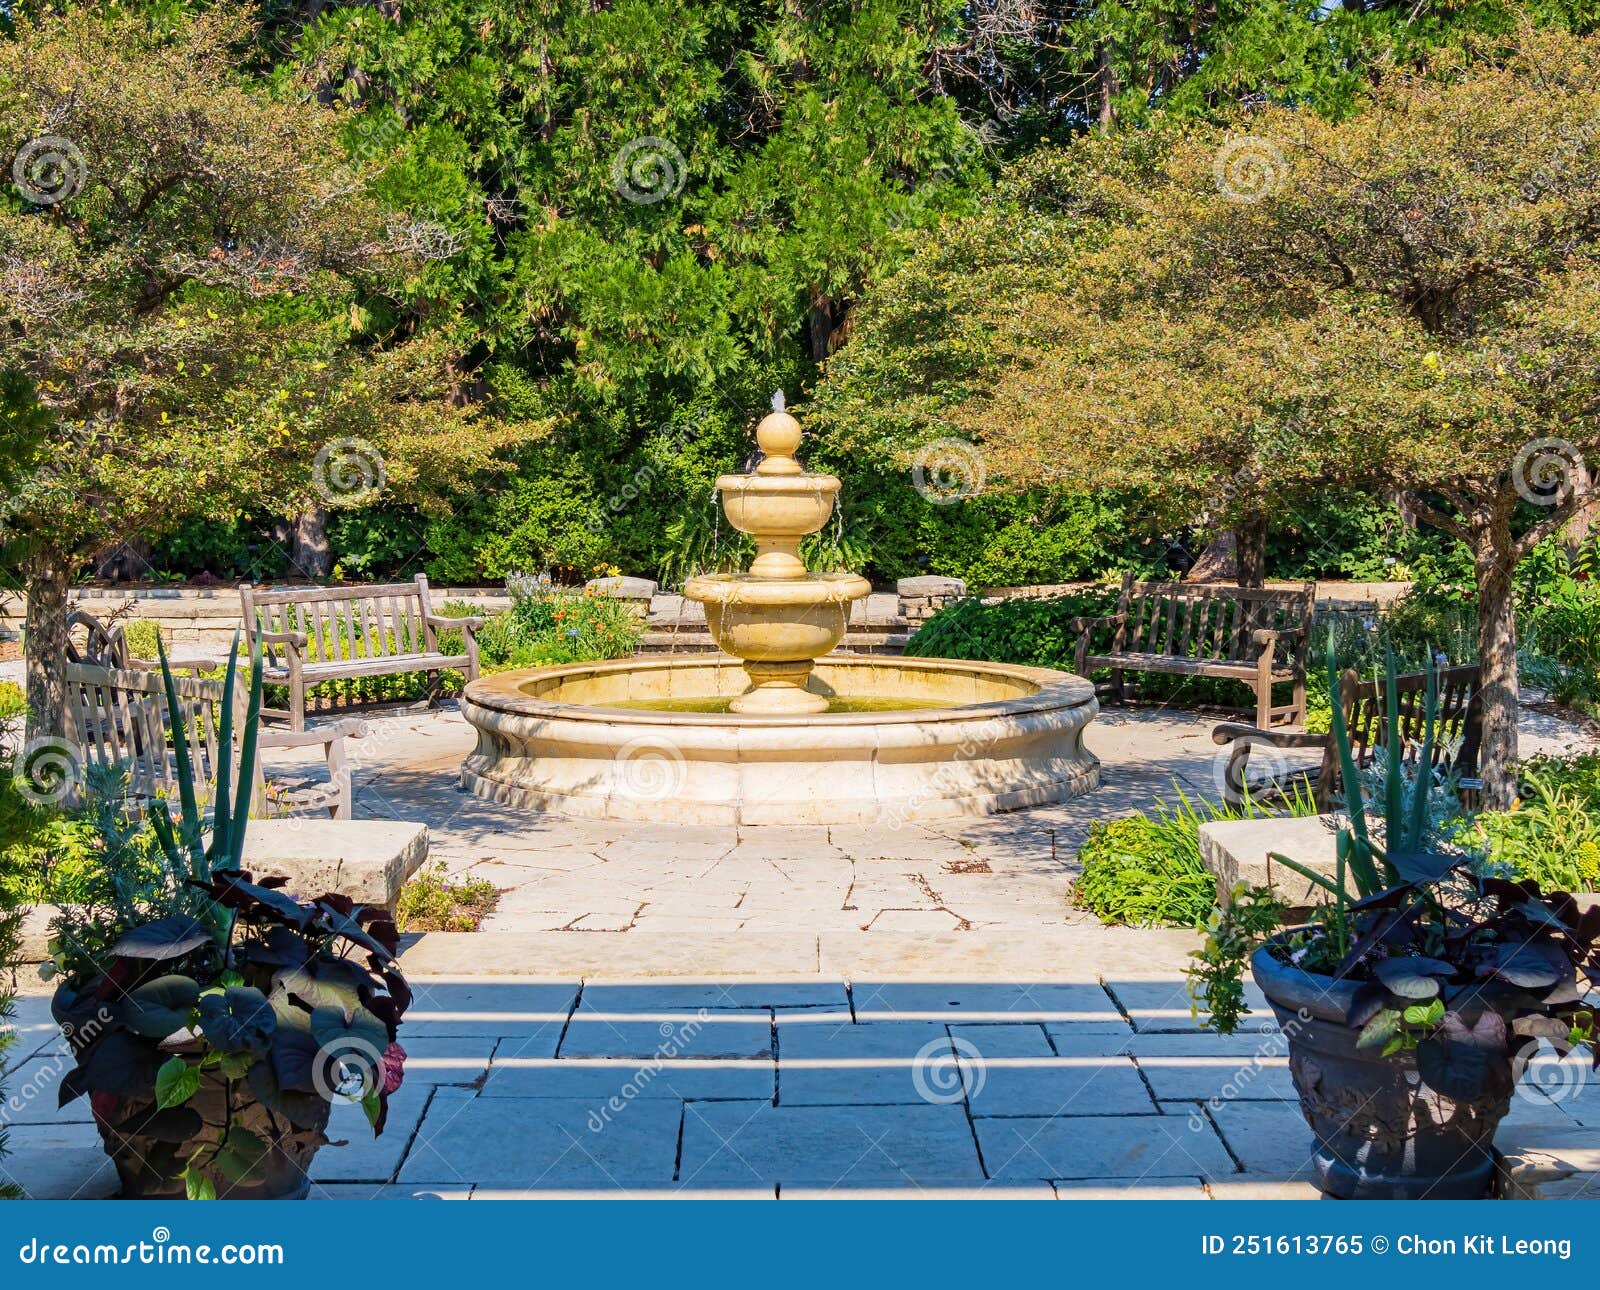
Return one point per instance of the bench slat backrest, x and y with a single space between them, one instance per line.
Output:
1366 715
1208 621
380 621
119 716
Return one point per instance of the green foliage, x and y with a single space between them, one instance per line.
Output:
1034 632
1145 870
435 901
1233 933
1551 834
548 624
16 879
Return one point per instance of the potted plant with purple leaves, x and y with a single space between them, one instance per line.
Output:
215 1020
1413 997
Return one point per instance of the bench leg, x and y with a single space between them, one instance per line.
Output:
339 776
297 701
1264 702
1119 685
1298 716
433 688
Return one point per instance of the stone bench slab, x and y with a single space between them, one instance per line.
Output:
1241 851
367 860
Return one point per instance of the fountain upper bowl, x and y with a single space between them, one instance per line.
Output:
778 505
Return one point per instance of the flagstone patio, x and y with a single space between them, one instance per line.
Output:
787 1013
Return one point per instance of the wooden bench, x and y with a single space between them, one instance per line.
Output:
1249 634
120 717
314 634
1456 735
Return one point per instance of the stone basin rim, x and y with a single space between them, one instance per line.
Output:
502 692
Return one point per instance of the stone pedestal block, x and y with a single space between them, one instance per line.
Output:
367 860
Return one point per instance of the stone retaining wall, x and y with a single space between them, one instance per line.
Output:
883 621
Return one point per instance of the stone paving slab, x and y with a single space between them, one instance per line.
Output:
601 995
548 1142
685 1034
1270 1139
1222 1077
1014 1071
823 1063
920 1191
752 1143
32 1088
1080 1004
365 1158
533 1013
1179 1188
58 1162
1134 1147
599 1080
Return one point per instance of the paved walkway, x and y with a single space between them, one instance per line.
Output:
795 1012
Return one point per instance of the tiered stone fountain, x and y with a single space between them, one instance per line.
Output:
778 618
778 729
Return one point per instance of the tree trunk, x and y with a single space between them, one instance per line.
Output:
1493 565
47 578
308 548
1250 546
1106 82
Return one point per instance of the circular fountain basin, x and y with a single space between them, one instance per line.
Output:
645 739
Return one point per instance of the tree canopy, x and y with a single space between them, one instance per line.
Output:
1405 299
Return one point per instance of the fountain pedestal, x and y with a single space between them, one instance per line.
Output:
778 619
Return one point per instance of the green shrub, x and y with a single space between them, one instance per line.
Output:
1035 633
144 637
1145 870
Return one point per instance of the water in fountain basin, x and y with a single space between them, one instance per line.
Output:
718 704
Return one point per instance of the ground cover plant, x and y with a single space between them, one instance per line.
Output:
1145 870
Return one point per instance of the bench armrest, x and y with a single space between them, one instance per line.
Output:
1267 636
1229 731
470 622
349 728
297 639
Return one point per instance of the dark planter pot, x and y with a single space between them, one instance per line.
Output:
144 1162
1381 1133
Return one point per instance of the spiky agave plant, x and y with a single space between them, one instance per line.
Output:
1407 805
189 848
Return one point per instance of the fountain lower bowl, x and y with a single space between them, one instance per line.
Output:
981 738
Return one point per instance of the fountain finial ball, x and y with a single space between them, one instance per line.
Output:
778 436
